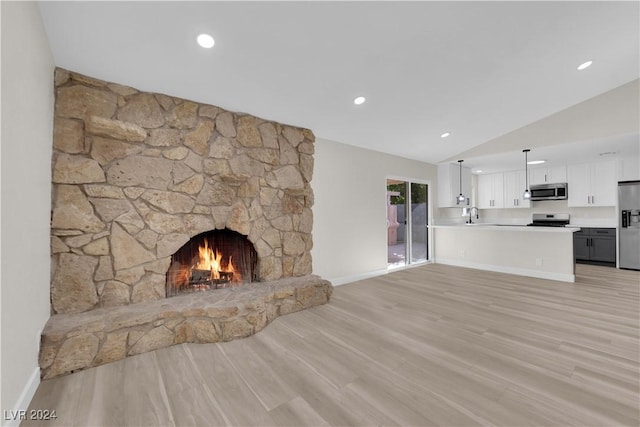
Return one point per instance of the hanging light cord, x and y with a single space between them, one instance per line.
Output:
460 198
527 193
526 169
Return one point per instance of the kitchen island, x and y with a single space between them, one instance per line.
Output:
543 252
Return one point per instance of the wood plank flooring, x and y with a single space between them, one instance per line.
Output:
433 345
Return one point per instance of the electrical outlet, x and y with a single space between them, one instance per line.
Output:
461 253
538 262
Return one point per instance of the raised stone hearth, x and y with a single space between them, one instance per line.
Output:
72 342
138 176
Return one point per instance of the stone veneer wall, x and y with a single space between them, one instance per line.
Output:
136 175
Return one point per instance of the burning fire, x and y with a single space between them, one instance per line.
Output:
212 261
208 270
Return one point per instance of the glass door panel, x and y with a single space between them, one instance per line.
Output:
396 223
418 222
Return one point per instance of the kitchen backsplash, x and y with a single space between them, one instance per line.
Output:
594 216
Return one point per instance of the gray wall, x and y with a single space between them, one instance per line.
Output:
27 127
350 216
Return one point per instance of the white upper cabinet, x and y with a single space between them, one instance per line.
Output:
548 175
592 184
514 186
449 185
491 191
629 168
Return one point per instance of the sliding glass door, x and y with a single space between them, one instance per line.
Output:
396 223
418 222
407 232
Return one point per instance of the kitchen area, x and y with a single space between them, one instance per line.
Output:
539 212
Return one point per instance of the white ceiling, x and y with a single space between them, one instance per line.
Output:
557 155
480 70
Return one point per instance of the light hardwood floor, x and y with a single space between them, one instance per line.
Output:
433 345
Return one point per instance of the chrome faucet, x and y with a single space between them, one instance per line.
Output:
477 214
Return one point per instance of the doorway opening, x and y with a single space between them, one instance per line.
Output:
407 221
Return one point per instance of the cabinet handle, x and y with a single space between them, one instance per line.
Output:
545 177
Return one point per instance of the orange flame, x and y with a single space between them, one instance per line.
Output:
212 261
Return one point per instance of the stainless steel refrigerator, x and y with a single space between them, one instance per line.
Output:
629 203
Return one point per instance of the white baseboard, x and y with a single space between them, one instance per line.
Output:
24 400
349 279
509 270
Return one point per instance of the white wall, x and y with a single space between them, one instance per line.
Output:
27 127
350 224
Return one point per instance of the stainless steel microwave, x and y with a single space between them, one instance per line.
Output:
549 191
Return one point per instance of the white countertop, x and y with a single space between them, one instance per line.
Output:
603 224
509 227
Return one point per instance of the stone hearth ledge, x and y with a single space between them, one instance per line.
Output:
72 342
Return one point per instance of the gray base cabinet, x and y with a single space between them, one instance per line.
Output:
595 246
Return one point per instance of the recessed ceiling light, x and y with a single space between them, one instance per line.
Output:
206 41
359 100
479 171
584 65
536 162
446 134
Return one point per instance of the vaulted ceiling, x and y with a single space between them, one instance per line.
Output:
483 71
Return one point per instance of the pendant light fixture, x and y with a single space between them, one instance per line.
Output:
527 194
461 198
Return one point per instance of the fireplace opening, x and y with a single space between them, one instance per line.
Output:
212 260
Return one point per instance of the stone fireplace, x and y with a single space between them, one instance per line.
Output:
143 185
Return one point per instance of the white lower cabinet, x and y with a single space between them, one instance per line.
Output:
514 186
